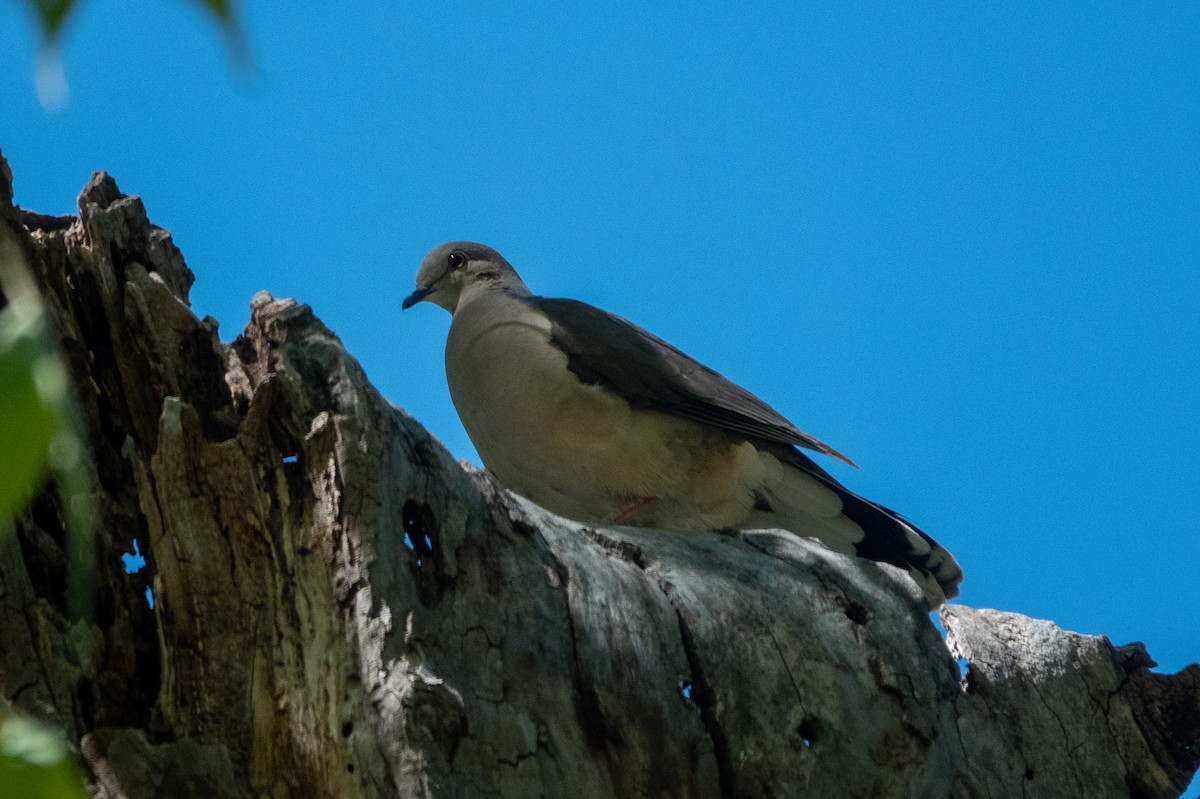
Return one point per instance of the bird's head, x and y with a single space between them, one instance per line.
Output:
459 268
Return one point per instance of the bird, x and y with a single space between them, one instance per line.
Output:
601 422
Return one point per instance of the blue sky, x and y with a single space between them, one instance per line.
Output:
960 244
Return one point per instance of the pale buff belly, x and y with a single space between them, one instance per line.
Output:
584 453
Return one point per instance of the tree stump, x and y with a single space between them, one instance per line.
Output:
341 609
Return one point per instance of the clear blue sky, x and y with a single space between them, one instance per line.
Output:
961 245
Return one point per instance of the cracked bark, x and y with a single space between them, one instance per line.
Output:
300 647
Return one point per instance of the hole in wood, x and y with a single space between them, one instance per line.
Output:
421 539
807 731
857 613
967 676
420 529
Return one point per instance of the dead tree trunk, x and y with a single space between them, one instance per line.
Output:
342 610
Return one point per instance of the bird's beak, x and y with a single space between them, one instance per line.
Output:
415 297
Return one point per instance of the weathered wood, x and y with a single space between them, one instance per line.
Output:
343 610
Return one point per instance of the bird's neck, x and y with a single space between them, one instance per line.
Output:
499 289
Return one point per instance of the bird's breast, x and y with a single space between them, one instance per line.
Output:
580 450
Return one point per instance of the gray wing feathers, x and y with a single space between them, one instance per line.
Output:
607 350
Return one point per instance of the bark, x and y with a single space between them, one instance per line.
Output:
341 609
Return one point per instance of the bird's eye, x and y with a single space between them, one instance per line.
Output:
456 260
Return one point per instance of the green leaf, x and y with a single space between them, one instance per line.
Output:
221 9
32 383
52 14
226 15
34 762
41 427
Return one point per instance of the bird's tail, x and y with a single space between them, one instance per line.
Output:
889 538
808 501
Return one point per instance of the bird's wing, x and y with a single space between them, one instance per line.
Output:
606 350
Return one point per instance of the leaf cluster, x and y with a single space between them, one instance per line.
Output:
52 15
40 434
